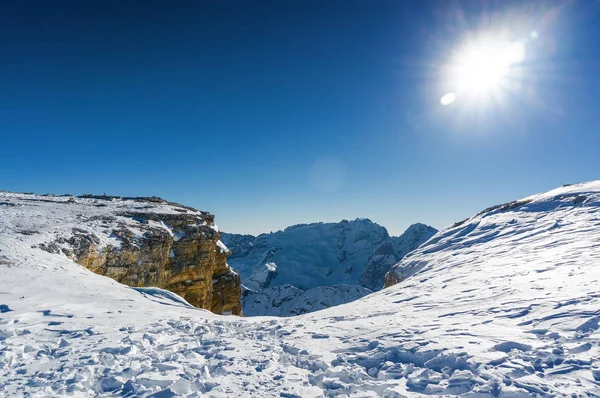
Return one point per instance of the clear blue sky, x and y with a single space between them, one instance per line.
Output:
273 113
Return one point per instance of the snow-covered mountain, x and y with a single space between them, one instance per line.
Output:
504 304
306 255
312 266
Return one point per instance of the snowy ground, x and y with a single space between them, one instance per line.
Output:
505 304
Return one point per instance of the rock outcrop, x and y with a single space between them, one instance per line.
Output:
148 242
391 252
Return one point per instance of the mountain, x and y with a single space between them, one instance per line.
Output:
141 242
306 255
321 260
504 304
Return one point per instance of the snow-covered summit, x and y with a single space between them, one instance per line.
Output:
314 256
307 255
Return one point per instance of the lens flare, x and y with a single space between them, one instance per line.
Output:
448 99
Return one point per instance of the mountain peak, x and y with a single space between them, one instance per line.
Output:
311 256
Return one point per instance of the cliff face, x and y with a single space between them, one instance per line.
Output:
391 252
145 242
188 260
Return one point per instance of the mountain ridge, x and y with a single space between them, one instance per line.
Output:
317 258
138 241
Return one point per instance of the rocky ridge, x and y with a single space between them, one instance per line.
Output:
140 242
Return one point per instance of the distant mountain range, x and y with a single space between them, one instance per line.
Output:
308 267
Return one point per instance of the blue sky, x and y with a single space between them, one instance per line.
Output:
274 113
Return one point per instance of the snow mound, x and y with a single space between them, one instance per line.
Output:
163 296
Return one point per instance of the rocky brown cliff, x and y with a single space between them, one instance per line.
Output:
150 242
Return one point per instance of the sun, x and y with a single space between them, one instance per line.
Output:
482 69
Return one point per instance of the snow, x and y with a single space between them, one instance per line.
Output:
306 261
271 267
222 247
310 255
288 300
178 235
505 304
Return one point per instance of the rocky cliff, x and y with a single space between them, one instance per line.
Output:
392 251
138 242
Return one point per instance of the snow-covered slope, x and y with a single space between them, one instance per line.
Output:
310 266
506 304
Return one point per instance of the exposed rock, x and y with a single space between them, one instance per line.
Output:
148 242
392 251
391 279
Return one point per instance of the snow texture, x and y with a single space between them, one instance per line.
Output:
504 304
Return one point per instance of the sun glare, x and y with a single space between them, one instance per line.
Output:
483 68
